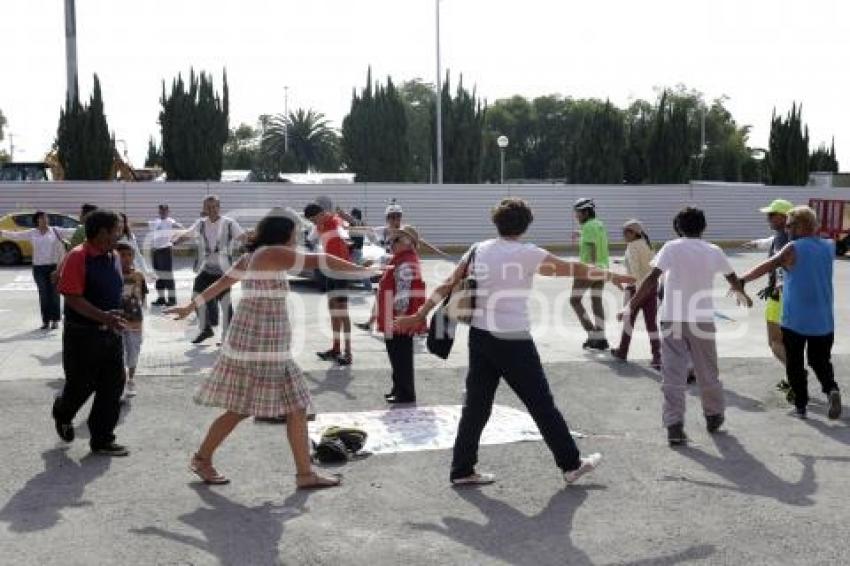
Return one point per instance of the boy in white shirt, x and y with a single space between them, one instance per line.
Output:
687 320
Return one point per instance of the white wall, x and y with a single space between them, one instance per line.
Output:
447 214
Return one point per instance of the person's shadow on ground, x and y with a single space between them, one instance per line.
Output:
749 476
337 380
234 533
543 539
38 505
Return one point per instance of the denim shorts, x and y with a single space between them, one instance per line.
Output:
132 347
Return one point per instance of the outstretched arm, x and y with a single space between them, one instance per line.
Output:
225 282
554 266
785 258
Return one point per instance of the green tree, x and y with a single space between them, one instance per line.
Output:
418 98
788 155
639 118
85 147
194 123
242 148
154 156
823 159
304 137
374 134
596 155
463 126
4 157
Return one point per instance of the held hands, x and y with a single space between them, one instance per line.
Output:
622 280
751 245
408 322
115 321
741 297
180 312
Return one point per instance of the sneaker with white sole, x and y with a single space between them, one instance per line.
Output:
130 389
588 464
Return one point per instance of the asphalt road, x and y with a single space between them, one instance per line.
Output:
769 490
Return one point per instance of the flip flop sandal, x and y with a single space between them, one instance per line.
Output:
204 469
316 481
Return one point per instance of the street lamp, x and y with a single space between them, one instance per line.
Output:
502 142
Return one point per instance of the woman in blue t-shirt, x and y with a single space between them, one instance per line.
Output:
808 321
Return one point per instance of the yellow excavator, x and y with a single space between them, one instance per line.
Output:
51 170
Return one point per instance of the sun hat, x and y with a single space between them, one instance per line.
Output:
779 206
410 232
634 225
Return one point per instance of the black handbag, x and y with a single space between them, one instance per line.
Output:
441 333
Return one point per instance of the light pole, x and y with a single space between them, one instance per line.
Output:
502 142
439 105
71 49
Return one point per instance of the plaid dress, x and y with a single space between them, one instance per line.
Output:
255 373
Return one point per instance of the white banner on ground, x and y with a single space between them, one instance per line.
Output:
408 429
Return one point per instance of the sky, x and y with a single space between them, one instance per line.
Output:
762 54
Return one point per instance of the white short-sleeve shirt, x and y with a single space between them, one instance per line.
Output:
690 265
504 270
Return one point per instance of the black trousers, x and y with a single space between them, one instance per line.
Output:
163 266
48 296
517 360
208 317
818 349
93 361
400 351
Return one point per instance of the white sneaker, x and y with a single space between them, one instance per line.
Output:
587 465
130 389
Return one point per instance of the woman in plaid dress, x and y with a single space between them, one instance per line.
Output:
255 374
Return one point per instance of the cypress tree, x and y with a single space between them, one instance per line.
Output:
85 148
823 159
788 156
194 121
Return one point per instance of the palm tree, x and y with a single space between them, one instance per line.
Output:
311 144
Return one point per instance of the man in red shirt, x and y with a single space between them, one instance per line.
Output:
331 229
92 350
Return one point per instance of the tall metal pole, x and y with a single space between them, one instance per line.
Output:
439 140
286 119
71 48
502 167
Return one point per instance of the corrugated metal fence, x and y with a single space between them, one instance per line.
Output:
445 214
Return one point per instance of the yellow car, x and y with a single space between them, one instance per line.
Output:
14 252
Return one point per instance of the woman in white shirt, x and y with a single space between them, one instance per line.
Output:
48 248
500 342
638 256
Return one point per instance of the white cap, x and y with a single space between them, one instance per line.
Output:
393 208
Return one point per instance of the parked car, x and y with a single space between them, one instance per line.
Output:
15 252
834 217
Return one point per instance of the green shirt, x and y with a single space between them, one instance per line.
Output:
594 235
79 236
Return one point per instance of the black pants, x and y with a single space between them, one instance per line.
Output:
163 266
400 350
93 361
48 296
818 349
208 317
517 360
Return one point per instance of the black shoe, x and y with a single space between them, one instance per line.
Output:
171 302
159 302
692 377
329 355
800 412
205 333
714 422
834 404
111 449
54 325
395 400
364 326
344 359
676 435
44 326
390 394
64 430
594 344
